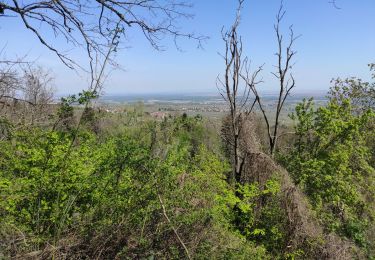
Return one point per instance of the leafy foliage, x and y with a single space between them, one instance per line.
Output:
76 198
331 159
126 185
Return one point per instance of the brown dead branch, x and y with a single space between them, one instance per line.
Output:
285 78
173 228
235 91
90 24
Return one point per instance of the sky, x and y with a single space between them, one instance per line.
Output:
333 43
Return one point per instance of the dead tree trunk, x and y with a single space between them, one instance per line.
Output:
285 78
236 92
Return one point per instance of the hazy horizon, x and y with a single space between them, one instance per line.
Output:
296 91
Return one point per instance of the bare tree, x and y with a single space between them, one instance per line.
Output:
26 93
37 85
37 90
97 26
285 78
90 24
236 92
8 83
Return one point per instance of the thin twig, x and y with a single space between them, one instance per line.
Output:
173 228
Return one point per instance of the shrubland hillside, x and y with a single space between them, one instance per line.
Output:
127 185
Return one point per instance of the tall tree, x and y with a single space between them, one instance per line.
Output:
285 55
236 92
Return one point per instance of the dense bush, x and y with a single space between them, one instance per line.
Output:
145 192
331 160
126 185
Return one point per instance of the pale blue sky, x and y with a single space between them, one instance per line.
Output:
333 43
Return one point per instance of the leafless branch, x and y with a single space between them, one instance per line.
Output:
286 80
89 24
173 228
234 89
333 2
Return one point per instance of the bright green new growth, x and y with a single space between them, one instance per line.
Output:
107 197
332 159
126 185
